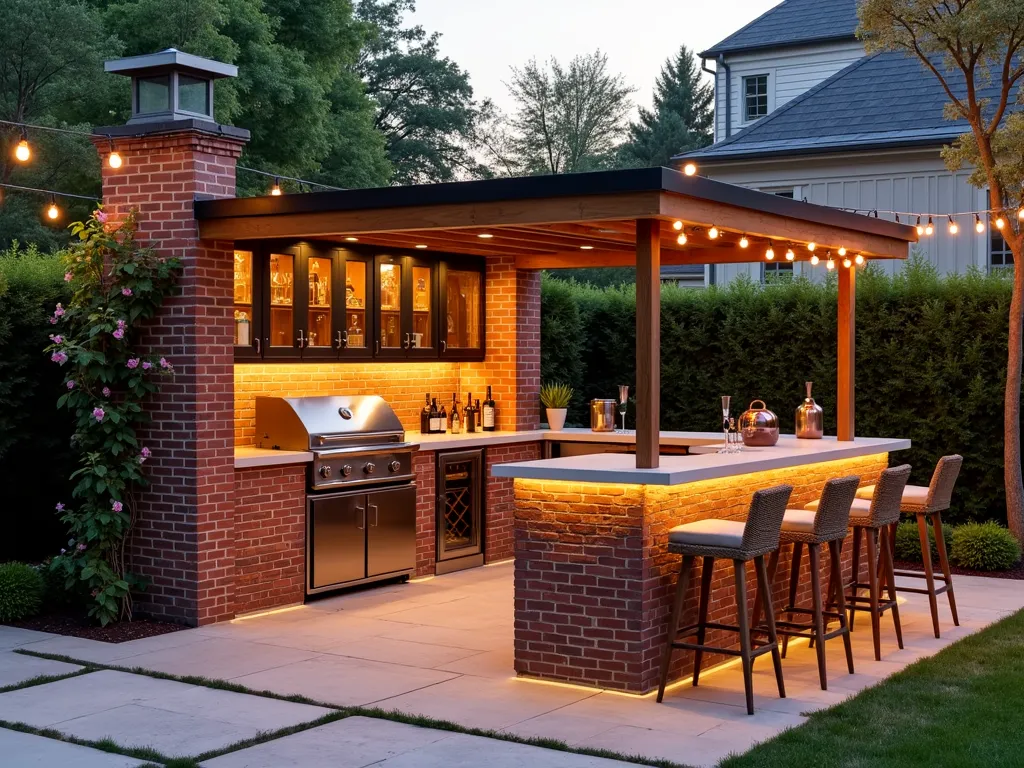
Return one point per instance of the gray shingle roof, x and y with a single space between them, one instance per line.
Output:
794 22
887 99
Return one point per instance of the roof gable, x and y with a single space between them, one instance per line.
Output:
793 22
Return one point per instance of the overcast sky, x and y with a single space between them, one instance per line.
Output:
486 37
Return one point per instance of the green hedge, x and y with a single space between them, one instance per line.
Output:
35 456
931 360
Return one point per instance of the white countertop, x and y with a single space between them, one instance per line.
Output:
677 470
247 457
448 441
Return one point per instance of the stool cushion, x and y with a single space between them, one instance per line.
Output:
799 521
916 495
860 511
727 534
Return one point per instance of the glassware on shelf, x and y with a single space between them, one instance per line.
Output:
243 329
623 403
282 276
726 441
243 277
390 279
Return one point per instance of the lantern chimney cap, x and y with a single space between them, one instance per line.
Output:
168 59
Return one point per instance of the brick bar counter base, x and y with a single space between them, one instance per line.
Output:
594 578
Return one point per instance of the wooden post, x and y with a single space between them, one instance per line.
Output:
846 352
648 342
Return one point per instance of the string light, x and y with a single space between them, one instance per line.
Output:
811 247
953 226
1020 214
744 242
847 263
979 226
930 227
677 225
920 228
859 259
114 159
842 250
713 232
275 190
830 265
770 253
790 256
23 152
52 211
815 260
690 169
1000 222
681 239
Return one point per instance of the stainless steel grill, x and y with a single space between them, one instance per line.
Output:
356 440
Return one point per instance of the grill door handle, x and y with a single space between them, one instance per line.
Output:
376 515
362 517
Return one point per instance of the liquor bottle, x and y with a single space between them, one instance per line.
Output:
455 418
435 418
442 421
490 412
425 417
469 421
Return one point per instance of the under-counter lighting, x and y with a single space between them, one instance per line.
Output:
272 612
351 239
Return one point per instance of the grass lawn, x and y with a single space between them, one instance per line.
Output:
962 707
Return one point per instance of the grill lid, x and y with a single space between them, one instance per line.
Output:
304 423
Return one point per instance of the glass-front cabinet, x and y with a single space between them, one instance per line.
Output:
317 301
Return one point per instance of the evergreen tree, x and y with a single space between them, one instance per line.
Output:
682 118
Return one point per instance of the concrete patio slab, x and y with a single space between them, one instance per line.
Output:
406 652
110 653
15 637
26 750
17 668
358 741
218 658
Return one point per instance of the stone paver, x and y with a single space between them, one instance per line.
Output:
16 668
26 750
359 741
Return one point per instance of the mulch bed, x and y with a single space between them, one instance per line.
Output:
77 626
1017 572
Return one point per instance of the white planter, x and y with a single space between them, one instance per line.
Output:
556 417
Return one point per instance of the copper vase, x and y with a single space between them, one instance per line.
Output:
810 419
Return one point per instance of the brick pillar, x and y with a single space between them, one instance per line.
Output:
527 350
183 539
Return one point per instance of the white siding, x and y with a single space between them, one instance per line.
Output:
903 181
791 72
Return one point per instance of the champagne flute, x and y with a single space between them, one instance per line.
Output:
726 448
623 401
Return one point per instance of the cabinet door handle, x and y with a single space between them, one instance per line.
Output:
378 346
302 339
376 515
341 341
408 340
259 347
362 517
444 345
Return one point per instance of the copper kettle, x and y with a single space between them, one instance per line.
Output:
759 426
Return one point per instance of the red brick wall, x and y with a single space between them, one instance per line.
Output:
594 578
426 512
499 530
182 541
269 537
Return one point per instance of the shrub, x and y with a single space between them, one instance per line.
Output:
21 591
908 541
984 547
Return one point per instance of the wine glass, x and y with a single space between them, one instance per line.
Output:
623 401
726 448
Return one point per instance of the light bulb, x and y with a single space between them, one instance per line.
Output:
830 265
953 226
859 258
815 260
769 254
690 169
275 190
677 225
979 226
920 229
811 247
52 211
1020 213
930 228
1000 222
790 256
485 235
713 232
23 152
114 160
847 263
842 251
744 242
681 239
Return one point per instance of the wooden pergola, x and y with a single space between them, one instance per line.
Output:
605 219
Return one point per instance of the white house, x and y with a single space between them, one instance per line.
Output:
802 111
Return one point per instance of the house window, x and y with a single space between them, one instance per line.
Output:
755 97
1000 255
778 270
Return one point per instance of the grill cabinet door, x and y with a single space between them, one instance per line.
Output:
337 539
390 530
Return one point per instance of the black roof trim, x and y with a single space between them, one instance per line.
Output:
712 53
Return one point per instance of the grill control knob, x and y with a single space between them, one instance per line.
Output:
325 471
394 466
370 468
346 470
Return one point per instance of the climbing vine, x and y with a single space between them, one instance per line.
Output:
116 286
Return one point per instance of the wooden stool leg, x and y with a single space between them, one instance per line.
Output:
814 555
835 551
707 566
794 576
755 620
857 531
940 543
929 575
673 623
764 588
890 582
876 629
740 568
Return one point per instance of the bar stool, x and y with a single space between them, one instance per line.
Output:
925 503
739 542
827 525
870 520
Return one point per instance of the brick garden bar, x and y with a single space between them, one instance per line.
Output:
223 528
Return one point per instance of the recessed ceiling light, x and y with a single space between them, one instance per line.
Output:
352 239
586 247
485 235
421 246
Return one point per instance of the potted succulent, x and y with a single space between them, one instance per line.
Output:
555 398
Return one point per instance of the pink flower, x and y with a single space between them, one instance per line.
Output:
101 216
146 365
68 277
60 507
121 324
145 453
53 321
98 414
119 334
106 391
56 338
126 291
59 358
133 363
71 384
164 363
80 547
59 311
117 506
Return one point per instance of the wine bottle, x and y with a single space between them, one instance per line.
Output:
469 420
435 418
490 412
425 417
455 418
443 420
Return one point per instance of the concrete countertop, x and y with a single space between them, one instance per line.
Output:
677 470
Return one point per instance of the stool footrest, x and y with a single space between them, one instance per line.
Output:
919 575
793 629
810 612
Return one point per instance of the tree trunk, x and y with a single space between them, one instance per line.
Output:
1011 403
